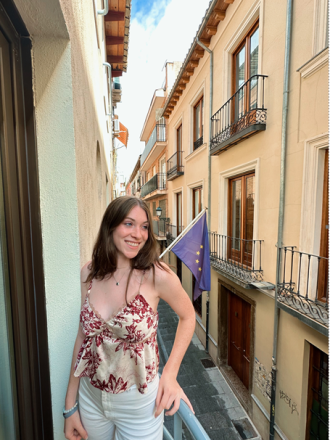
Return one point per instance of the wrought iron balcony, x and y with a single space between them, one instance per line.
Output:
157 182
158 135
236 258
172 232
198 143
243 115
174 166
303 287
160 227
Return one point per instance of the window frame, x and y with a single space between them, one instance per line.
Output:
245 41
200 102
240 256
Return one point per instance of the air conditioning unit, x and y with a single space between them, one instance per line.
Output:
116 128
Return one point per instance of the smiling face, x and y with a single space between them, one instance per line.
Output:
130 236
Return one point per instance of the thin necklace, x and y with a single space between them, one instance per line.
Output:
117 282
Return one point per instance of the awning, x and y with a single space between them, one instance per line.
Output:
123 134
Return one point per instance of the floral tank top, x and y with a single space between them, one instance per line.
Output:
122 351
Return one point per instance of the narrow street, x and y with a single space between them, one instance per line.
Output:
215 405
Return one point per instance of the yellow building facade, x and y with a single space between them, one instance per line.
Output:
244 142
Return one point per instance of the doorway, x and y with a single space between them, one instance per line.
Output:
239 312
25 399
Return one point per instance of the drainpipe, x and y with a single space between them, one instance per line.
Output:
109 113
281 206
208 180
105 10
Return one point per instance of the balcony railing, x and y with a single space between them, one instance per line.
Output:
157 182
304 284
174 166
160 227
241 116
184 415
239 258
172 232
198 143
158 135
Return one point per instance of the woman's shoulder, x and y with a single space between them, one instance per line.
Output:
84 271
163 273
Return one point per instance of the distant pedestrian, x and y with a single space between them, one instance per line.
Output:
114 370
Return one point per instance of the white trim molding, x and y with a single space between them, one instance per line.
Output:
257 10
312 191
199 93
224 176
315 64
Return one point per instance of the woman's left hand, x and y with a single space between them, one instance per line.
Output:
170 392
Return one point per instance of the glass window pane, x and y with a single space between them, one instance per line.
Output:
236 212
254 51
250 192
197 118
240 68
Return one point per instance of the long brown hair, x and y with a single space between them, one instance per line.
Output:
104 257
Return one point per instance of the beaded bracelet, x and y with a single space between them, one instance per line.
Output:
67 413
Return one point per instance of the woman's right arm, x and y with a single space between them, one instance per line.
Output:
73 428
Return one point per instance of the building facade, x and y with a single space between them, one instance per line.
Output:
58 60
265 185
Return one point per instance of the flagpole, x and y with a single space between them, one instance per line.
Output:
183 233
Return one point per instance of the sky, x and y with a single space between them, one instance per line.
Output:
160 31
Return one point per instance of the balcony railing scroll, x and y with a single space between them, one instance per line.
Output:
174 165
198 143
158 135
303 284
157 182
236 257
243 114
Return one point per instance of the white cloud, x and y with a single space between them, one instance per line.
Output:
150 45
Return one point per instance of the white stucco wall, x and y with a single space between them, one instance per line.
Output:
69 83
59 210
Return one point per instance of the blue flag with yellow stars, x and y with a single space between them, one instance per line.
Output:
193 251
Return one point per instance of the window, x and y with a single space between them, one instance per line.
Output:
154 213
197 201
321 28
198 123
245 66
153 170
179 139
322 287
197 208
178 213
241 216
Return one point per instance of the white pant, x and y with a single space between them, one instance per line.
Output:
125 416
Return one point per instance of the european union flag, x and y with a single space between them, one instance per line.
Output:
193 251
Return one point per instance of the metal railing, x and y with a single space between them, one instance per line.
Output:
158 181
160 227
172 231
174 165
244 109
304 283
158 135
185 415
237 257
198 143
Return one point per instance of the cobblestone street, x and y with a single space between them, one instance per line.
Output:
215 405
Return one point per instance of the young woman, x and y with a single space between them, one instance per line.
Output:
115 358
